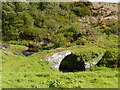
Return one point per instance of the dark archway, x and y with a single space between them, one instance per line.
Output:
71 64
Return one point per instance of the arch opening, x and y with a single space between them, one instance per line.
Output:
71 64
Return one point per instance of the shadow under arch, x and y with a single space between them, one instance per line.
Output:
71 64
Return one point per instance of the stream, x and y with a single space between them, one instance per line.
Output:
27 52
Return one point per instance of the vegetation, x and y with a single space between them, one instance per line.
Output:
49 27
103 78
31 72
36 21
89 53
110 58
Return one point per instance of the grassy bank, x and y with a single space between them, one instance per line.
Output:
101 78
33 72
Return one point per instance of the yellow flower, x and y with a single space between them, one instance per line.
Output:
67 44
104 26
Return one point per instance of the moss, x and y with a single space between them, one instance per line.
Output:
87 54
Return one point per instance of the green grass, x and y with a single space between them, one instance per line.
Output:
106 42
14 63
107 78
16 49
33 72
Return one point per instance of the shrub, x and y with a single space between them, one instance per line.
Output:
81 41
81 11
83 4
59 40
79 4
32 46
14 42
111 13
110 58
88 53
72 32
113 25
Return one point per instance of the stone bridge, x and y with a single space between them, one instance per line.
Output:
56 58
67 62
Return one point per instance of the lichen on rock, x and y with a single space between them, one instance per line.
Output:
56 58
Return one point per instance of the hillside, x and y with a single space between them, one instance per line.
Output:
33 72
52 25
35 34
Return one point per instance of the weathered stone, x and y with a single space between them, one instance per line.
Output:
56 58
94 61
88 64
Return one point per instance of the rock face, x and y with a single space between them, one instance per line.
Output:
56 58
